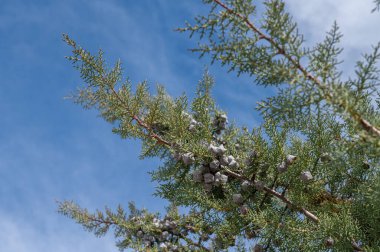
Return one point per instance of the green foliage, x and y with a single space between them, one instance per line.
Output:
140 228
305 180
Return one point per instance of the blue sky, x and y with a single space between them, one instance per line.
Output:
51 149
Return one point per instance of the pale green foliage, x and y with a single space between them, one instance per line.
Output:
317 124
131 228
278 56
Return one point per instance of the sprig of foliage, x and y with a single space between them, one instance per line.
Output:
274 54
306 180
141 230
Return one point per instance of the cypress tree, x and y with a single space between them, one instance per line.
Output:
307 179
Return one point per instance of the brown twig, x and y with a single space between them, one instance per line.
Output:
308 214
290 204
140 122
266 194
356 246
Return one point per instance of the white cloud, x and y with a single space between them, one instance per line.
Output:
20 236
359 26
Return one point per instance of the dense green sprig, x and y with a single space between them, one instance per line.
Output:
270 48
141 230
305 180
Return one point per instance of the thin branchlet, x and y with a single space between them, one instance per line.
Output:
329 97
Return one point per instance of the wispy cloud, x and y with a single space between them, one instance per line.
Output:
358 25
20 236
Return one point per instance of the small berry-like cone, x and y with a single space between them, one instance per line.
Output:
140 234
188 158
243 209
223 160
147 243
290 159
329 242
214 166
217 182
223 118
230 158
208 178
237 199
251 157
208 187
221 150
163 245
306 176
173 224
198 176
174 248
259 185
223 179
218 177
192 127
258 248
205 168
282 167
193 121
233 164
185 114
165 234
246 185
213 149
